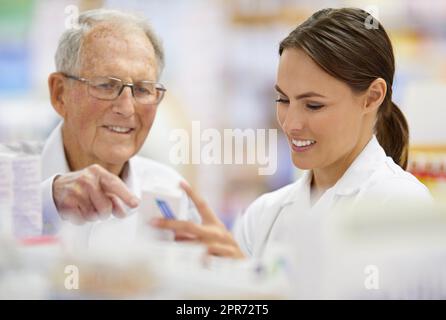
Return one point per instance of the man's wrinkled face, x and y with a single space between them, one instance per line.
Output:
110 132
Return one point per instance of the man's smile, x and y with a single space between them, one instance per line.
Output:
119 129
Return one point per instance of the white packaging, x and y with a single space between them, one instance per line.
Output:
20 196
27 207
150 198
153 199
6 195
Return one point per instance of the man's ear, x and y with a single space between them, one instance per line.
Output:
375 95
57 86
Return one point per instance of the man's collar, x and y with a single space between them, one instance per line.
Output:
53 154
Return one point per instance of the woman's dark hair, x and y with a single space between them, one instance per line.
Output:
349 47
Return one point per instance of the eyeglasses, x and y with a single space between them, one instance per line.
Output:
109 88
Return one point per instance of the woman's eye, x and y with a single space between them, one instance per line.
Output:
280 100
314 106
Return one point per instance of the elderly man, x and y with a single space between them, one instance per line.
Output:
106 90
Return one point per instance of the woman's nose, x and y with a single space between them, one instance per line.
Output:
293 120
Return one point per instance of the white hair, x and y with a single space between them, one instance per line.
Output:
68 51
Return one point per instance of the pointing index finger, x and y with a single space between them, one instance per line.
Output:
114 185
203 209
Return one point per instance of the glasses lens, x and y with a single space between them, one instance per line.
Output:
104 88
148 93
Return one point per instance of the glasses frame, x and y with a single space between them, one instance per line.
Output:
158 87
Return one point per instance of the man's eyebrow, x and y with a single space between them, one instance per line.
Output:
301 96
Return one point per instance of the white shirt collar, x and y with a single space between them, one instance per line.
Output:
351 180
361 168
53 154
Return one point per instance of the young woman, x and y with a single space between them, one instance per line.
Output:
334 104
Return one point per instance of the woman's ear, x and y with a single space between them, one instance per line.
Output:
56 85
375 95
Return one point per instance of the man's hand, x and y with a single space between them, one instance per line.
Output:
212 232
90 194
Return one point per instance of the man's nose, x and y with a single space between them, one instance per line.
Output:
125 102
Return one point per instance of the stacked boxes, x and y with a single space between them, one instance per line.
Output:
20 196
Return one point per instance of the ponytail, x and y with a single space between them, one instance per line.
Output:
392 132
327 38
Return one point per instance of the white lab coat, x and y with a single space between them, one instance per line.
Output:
139 173
372 176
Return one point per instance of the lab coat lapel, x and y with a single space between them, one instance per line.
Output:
359 171
296 201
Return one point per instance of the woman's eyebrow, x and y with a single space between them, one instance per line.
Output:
279 90
303 95
309 94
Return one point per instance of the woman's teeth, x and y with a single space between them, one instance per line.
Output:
302 143
119 129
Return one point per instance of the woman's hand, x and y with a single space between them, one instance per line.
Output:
212 232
